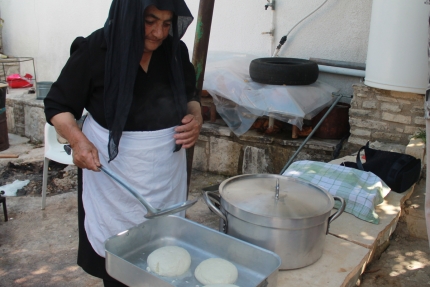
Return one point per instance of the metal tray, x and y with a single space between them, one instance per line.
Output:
126 254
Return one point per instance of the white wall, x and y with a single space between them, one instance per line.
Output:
44 29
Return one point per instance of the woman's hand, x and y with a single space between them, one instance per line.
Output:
188 132
85 154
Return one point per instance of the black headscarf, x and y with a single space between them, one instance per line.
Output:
124 32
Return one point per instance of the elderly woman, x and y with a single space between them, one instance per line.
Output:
135 80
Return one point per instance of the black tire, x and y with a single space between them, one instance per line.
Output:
283 71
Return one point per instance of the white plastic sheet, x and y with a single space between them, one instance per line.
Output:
240 101
12 189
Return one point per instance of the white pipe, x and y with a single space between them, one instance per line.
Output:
342 71
272 28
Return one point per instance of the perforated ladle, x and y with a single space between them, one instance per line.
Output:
151 211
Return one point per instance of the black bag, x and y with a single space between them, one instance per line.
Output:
399 171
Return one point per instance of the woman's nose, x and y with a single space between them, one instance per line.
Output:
157 31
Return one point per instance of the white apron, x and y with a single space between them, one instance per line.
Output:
147 162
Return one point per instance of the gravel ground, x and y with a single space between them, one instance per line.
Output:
38 248
405 263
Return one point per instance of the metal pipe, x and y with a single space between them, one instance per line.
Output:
339 96
339 64
342 71
200 52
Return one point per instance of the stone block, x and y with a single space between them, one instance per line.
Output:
368 124
420 121
216 130
201 154
354 104
416 148
391 107
203 138
224 156
18 118
411 130
408 96
386 99
313 143
279 157
357 140
360 87
370 104
360 132
359 112
404 102
417 110
390 137
256 137
255 160
396 118
34 123
10 120
400 130
361 95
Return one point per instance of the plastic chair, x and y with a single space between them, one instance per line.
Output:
54 150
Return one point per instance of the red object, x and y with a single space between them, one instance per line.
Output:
16 81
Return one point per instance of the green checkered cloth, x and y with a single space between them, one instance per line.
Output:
362 191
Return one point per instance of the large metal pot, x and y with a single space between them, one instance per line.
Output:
285 215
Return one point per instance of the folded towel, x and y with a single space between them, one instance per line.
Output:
362 191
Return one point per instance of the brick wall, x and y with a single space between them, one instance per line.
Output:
384 116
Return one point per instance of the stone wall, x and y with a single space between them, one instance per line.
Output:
219 150
25 115
384 116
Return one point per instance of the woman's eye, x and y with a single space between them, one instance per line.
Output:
147 22
167 25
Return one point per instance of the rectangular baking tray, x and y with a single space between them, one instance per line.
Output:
127 252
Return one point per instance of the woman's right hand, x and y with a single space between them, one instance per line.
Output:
85 154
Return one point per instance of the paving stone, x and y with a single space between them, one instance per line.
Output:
365 234
340 265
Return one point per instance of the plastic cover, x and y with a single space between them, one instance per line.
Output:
240 101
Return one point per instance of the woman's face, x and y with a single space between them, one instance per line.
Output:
157 27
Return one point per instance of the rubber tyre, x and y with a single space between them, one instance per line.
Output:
283 71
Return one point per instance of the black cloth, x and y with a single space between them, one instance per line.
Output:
124 31
81 85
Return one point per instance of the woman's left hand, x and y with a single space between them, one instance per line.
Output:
188 132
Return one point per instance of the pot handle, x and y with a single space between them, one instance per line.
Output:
211 206
338 212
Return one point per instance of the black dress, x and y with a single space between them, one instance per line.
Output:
80 85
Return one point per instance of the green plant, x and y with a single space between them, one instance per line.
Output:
421 134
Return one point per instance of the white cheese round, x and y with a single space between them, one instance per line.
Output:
216 271
169 261
221 285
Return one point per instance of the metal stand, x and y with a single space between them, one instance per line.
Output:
290 161
17 60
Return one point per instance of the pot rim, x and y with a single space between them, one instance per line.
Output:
276 221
